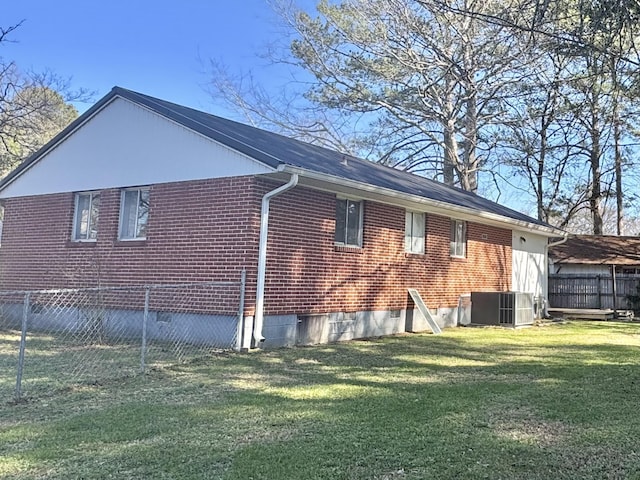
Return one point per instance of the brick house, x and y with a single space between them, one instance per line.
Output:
154 192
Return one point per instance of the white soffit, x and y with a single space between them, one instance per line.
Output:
125 144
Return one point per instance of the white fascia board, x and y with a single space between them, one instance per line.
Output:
370 192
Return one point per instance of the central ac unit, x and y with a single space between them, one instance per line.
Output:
508 309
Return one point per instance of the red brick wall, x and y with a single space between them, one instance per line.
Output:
197 231
208 230
307 273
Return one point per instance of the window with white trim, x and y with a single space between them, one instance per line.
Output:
85 217
348 222
134 214
1 220
458 238
414 228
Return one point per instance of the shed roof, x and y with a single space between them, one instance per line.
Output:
597 250
278 151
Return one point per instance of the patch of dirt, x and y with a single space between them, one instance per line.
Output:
525 425
394 475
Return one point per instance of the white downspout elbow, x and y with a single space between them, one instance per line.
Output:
559 242
262 256
553 244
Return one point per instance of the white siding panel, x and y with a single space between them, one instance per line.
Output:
127 145
529 263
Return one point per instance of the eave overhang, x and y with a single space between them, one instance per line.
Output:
365 191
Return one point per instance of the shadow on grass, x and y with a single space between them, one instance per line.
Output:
548 403
55 362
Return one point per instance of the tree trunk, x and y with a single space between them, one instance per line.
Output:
617 151
618 173
596 187
450 153
450 143
540 171
470 168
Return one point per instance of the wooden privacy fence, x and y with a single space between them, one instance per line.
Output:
592 291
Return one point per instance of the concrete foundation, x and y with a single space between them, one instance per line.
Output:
216 331
290 330
220 331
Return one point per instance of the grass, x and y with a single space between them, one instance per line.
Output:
56 360
547 402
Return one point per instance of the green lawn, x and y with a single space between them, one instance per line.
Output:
552 402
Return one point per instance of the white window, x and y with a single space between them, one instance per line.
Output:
134 214
1 220
414 232
458 238
85 217
348 222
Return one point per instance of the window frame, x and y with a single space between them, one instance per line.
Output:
74 227
2 221
360 223
123 193
455 242
411 235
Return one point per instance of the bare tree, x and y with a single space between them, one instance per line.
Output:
423 84
33 108
448 89
594 44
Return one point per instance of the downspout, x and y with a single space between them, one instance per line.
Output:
546 277
262 256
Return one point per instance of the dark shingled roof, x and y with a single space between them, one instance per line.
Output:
275 150
597 250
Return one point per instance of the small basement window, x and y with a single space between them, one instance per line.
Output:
85 217
134 214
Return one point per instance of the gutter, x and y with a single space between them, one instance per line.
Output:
445 208
262 256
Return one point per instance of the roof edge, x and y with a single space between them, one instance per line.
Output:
116 92
165 110
273 162
547 231
51 144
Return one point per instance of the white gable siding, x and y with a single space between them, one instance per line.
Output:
529 259
127 145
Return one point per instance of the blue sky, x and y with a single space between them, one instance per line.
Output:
159 48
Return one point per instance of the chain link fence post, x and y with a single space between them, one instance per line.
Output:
145 318
23 345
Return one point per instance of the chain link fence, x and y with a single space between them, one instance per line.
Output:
51 339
